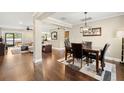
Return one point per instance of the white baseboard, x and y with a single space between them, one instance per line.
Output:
112 58
109 58
37 61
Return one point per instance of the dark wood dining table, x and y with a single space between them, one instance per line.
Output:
95 51
91 50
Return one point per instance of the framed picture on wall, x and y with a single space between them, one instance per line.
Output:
93 32
54 35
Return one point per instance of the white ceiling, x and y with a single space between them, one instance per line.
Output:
75 17
16 19
23 19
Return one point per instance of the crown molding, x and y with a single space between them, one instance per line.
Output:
42 15
45 17
58 22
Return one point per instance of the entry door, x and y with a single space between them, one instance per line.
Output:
9 39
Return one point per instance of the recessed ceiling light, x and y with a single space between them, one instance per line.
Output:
20 22
63 18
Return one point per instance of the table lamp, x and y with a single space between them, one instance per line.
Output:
120 34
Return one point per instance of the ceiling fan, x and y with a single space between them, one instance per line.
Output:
28 28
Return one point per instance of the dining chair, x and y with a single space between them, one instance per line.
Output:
86 44
77 52
68 49
101 56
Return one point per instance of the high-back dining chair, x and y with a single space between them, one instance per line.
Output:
77 51
87 44
101 56
103 52
68 49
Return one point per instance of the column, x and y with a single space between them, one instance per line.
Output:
37 56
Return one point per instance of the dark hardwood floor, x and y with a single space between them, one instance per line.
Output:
21 67
16 67
50 69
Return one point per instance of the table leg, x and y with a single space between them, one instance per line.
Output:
87 60
65 54
97 62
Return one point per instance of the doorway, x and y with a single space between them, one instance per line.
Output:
9 39
66 35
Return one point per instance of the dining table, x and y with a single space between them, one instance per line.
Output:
95 50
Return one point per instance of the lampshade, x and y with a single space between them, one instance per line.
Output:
120 34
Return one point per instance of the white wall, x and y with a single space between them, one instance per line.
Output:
59 43
60 38
0 32
109 28
48 28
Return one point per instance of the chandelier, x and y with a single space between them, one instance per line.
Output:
85 28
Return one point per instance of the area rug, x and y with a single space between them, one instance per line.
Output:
17 51
109 73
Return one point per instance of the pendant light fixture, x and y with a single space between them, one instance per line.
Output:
85 28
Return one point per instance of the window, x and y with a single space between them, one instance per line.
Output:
18 37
